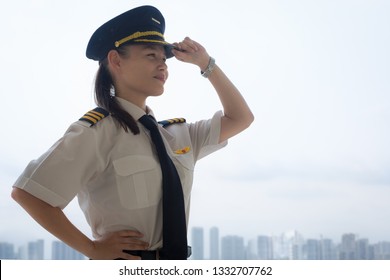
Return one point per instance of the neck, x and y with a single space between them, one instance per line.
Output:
136 100
143 107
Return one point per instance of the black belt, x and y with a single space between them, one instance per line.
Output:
150 255
145 255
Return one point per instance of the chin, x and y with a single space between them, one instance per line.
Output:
157 92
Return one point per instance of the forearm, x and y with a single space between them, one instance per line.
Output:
237 114
54 221
233 103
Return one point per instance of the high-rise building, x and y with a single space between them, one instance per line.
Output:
328 251
35 250
232 248
251 250
264 248
289 246
7 251
381 251
22 252
61 251
362 249
348 247
214 243
197 243
312 249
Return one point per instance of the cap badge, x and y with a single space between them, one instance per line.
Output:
155 20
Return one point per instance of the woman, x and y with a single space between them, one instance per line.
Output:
109 160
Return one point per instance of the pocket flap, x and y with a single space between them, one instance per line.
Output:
133 164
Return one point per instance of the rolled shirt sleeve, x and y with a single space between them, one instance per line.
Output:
58 175
205 136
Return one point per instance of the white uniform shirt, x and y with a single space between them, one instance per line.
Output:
116 174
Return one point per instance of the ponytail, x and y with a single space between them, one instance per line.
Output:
105 99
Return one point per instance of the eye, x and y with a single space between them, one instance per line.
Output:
156 56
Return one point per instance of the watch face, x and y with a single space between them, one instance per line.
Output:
209 68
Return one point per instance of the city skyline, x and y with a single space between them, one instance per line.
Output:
208 244
290 245
37 250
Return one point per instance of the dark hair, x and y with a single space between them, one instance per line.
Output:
103 87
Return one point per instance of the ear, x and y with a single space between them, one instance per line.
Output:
114 60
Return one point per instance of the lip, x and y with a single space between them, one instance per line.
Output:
161 77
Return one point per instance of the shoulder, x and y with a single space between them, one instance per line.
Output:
94 116
168 122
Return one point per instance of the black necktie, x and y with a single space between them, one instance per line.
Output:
174 219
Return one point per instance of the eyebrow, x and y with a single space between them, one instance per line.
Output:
157 48
152 47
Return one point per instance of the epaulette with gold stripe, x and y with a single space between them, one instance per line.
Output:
95 115
166 123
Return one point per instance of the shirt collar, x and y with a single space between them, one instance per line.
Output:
135 111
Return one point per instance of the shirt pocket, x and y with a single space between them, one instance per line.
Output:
138 180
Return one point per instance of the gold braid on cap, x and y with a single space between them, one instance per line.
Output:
138 34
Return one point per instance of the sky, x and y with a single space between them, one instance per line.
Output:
315 74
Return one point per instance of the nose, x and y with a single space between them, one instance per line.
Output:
164 69
163 65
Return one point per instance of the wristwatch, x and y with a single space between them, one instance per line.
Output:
210 67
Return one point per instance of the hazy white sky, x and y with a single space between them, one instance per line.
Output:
315 73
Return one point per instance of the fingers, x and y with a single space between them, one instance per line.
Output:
130 233
130 240
190 51
134 244
187 45
111 245
126 256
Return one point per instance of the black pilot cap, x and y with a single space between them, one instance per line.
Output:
142 25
